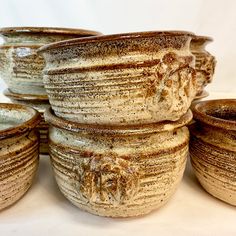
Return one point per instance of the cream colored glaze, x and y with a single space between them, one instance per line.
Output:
18 152
118 175
119 82
42 126
20 66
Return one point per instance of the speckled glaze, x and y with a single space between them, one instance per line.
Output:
213 147
124 79
20 66
40 103
205 62
118 171
19 153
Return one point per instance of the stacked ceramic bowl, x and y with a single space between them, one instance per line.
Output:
205 64
119 106
21 67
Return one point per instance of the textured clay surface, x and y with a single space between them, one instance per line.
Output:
205 62
213 148
40 105
20 65
118 80
120 173
19 153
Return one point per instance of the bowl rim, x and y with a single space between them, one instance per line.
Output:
113 37
201 95
47 30
200 108
73 126
202 38
24 97
22 127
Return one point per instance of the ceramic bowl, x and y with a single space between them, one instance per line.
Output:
124 79
118 171
20 66
19 153
205 62
40 103
213 147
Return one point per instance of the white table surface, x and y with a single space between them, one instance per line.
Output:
45 211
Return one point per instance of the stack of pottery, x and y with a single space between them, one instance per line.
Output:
119 106
21 67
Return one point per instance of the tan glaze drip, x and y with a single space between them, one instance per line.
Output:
125 79
20 66
40 103
213 147
118 171
205 62
19 153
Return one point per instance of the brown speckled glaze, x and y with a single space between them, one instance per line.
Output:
118 171
20 66
40 103
19 153
135 78
213 147
205 62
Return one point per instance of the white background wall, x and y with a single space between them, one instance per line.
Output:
216 18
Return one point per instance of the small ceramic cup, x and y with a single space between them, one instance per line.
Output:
124 79
20 66
118 171
213 147
39 103
19 151
205 62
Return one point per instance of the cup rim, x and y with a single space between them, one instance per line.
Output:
47 30
73 126
200 110
113 37
21 127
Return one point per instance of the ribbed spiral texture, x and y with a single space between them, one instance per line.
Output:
94 180
122 82
213 157
18 162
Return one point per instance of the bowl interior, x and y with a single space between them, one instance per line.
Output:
225 113
15 118
219 113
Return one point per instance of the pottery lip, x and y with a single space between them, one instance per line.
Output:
72 126
202 95
202 112
47 30
22 127
25 97
204 39
113 37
